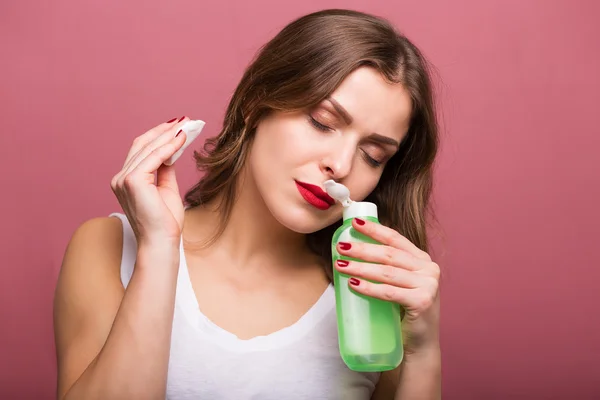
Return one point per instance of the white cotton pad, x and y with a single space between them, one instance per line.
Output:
192 129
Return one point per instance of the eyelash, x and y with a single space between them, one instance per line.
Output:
318 125
371 161
324 128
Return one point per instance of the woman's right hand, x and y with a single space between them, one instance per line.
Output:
154 207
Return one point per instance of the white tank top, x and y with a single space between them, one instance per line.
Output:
301 361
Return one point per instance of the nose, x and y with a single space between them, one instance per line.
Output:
337 163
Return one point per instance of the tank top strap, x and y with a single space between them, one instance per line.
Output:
129 254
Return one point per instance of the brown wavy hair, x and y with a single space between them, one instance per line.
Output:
299 68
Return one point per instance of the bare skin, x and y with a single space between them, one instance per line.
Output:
267 277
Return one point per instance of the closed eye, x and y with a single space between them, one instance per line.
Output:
371 161
318 125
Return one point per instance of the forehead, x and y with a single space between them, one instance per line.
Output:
376 106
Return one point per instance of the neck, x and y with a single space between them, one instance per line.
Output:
252 236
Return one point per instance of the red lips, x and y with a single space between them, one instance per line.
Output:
315 195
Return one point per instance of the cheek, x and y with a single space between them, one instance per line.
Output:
285 141
363 183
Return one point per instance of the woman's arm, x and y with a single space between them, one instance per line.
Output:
419 377
397 270
113 343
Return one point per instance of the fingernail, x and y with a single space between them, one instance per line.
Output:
171 120
181 119
181 130
359 221
345 246
342 263
354 281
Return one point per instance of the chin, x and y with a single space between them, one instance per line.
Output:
302 219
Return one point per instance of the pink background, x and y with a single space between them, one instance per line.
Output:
517 185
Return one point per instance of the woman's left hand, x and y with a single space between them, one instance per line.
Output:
404 274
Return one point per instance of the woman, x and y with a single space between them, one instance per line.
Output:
229 297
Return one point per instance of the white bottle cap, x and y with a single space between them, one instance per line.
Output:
338 191
352 209
360 209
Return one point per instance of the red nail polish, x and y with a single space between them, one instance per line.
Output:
181 130
181 119
359 221
354 282
342 263
345 246
171 120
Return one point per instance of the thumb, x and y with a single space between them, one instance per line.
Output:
166 177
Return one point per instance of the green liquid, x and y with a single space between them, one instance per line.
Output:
369 330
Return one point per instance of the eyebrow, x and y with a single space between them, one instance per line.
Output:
348 120
384 140
341 110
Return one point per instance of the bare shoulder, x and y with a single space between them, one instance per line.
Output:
103 234
92 257
88 294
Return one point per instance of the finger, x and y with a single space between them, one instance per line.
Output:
411 299
158 156
388 236
166 177
161 140
380 273
167 137
143 140
380 254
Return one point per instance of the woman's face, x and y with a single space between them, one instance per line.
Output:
348 138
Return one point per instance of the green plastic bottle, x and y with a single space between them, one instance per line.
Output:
369 329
